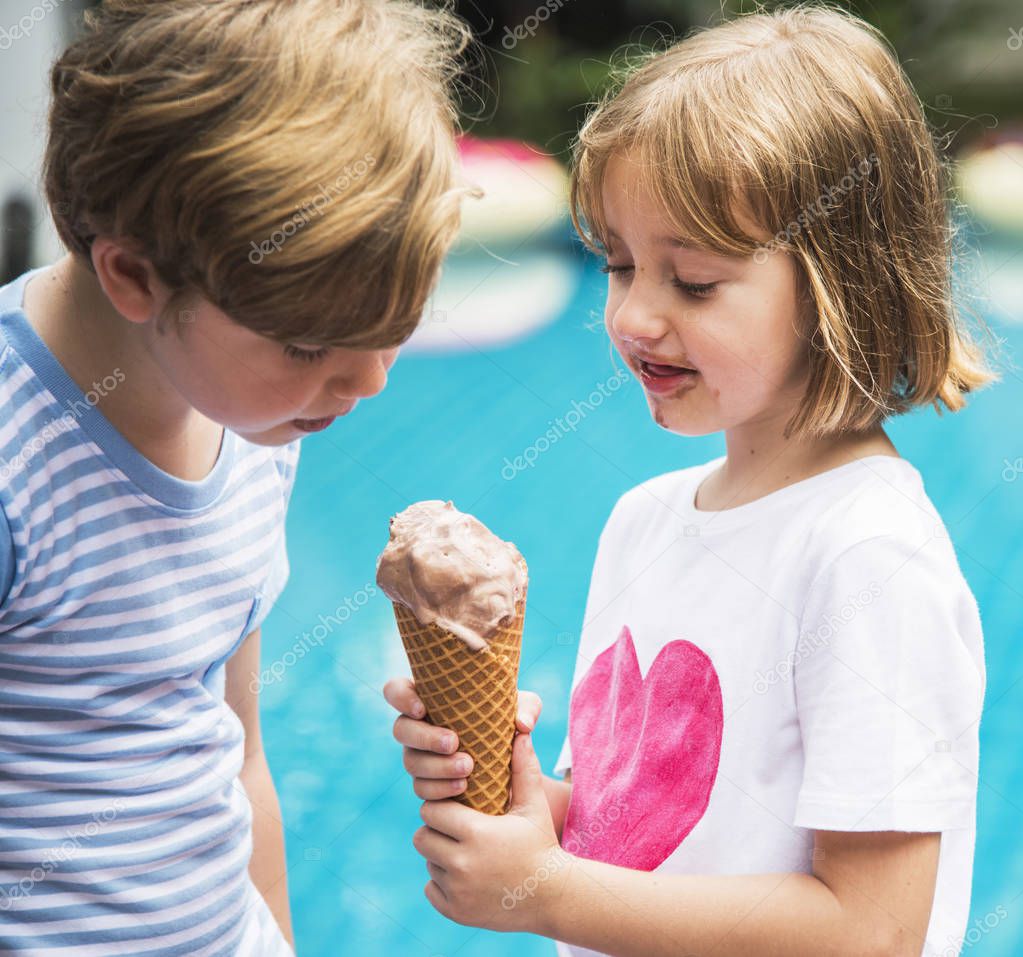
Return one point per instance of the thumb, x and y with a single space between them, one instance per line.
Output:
526 777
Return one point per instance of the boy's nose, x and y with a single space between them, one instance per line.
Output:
363 378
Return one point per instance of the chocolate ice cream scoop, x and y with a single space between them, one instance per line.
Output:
451 570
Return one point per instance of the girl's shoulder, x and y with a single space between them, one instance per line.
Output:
670 491
872 497
885 527
889 500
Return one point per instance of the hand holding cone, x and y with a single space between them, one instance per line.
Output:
474 693
464 639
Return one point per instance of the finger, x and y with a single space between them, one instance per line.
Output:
526 778
423 764
434 846
424 737
438 790
450 818
436 896
400 694
529 710
435 870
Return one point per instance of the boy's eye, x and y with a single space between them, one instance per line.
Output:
306 355
694 288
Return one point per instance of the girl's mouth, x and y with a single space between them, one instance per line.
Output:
664 379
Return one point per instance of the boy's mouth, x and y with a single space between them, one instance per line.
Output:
318 425
664 379
312 425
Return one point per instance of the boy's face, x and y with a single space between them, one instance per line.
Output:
255 386
738 333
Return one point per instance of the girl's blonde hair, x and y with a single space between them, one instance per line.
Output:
294 163
803 120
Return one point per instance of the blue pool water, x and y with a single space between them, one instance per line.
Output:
447 427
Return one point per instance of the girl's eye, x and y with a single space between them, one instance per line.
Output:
306 355
694 288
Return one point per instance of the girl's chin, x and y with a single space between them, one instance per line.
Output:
679 424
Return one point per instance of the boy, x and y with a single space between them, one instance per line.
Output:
256 198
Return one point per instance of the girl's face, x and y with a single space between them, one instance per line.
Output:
732 320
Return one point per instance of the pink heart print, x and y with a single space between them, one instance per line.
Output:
645 753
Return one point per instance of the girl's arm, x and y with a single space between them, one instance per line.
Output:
870 893
869 896
267 866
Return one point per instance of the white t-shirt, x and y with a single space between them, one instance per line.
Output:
809 660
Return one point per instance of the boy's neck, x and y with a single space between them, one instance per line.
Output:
66 307
761 461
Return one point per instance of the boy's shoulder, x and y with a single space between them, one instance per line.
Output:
32 417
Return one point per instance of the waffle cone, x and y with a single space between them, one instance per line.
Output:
474 693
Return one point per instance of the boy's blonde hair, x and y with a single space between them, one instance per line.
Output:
803 120
294 163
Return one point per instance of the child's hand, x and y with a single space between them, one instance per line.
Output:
495 871
438 769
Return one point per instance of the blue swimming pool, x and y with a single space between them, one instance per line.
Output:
462 427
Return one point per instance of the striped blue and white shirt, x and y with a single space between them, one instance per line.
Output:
124 829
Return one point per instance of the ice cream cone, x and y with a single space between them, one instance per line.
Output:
474 693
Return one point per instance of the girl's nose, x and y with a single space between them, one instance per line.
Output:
638 316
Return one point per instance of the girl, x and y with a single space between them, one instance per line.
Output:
772 742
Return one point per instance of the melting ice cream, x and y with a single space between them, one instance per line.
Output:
451 570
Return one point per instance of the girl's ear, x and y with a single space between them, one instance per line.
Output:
805 303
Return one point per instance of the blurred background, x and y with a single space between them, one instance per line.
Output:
512 342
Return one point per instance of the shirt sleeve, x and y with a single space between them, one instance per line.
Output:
6 558
889 683
280 570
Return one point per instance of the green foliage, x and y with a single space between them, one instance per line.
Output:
955 52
